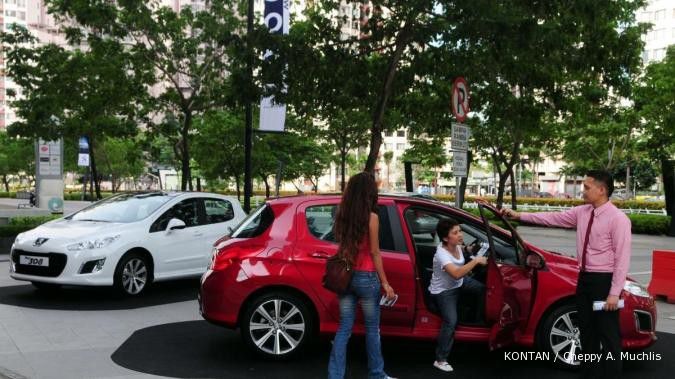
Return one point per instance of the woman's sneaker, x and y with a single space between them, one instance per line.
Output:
443 366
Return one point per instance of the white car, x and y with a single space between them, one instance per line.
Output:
127 241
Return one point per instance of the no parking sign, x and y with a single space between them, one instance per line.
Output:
460 99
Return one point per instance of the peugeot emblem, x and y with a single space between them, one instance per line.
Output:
40 241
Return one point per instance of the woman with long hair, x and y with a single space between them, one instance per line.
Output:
357 232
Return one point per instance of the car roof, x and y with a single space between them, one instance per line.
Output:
408 197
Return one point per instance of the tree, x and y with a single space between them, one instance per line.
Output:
429 155
67 94
16 157
219 139
531 64
118 159
191 54
655 100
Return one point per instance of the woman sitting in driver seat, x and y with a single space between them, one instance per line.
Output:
448 279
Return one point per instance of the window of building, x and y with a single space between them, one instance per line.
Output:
660 15
21 15
388 133
400 146
400 133
387 146
9 13
21 3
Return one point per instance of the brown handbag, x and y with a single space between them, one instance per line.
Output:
338 275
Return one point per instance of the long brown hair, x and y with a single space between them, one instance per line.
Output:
353 215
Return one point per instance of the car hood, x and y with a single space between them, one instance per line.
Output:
63 230
564 266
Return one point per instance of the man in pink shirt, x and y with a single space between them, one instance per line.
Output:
603 256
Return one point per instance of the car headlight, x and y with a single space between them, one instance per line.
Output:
19 238
636 289
93 244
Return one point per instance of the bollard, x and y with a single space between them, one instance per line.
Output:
663 275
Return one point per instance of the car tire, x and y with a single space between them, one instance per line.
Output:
281 334
133 275
559 336
46 287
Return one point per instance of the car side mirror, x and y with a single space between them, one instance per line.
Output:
175 224
534 261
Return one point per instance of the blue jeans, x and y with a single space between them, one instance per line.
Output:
365 287
447 305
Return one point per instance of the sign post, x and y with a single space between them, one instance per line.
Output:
49 175
459 141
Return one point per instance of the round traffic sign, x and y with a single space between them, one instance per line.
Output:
460 99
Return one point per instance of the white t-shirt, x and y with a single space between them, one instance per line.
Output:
441 280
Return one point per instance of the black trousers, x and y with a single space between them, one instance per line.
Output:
598 327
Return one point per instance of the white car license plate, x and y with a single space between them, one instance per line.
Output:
33 261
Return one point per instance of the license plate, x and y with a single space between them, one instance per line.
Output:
28 260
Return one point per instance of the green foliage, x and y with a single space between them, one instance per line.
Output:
17 156
649 224
31 221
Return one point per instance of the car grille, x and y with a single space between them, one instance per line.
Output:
57 262
643 321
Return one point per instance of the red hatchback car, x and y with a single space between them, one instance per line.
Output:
266 280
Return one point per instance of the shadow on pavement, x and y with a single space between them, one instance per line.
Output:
98 298
197 349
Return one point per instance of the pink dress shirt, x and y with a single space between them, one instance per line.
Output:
608 245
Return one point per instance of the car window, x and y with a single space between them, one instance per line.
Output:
422 226
255 224
186 211
218 210
130 207
321 218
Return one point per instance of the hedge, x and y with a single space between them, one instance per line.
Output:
623 204
641 224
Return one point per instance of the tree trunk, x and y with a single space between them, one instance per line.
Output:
503 177
668 170
628 192
267 186
186 180
236 184
5 182
514 194
343 161
94 170
385 93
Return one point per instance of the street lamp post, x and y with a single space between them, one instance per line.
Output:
248 143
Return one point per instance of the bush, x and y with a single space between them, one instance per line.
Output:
649 224
641 224
31 221
13 230
10 194
623 204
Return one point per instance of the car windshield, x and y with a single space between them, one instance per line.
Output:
123 208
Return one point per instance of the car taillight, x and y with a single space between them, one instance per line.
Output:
220 259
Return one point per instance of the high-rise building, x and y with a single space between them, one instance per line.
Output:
31 14
661 14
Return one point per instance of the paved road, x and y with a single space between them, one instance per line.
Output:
87 333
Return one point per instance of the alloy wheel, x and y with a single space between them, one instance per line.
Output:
565 339
277 327
134 276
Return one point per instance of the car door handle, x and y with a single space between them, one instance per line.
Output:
320 255
198 234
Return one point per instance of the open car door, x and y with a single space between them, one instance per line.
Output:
511 279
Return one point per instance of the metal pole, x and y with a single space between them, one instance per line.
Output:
248 139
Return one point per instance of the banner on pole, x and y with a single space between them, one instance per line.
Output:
277 19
